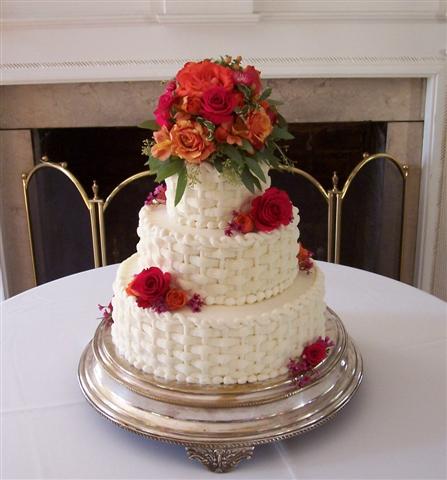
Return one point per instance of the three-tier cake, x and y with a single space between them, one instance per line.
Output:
214 293
259 309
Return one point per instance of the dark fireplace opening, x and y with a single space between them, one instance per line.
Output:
110 155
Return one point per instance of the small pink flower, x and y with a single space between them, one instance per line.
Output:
301 369
196 302
250 77
158 196
305 261
106 312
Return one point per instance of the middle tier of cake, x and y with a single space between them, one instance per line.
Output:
224 270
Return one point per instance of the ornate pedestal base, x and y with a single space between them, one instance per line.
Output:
218 425
220 459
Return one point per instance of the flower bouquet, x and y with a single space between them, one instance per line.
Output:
215 111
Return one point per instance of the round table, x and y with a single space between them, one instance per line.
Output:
395 427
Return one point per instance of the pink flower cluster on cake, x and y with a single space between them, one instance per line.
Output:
305 261
216 111
158 196
154 289
300 368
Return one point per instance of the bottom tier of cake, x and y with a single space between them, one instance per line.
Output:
220 344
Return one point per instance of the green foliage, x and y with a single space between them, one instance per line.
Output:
249 180
265 94
279 133
233 154
275 102
246 91
149 125
247 146
169 167
181 183
255 168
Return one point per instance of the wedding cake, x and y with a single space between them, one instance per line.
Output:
219 290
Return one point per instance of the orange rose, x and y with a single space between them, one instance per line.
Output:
191 105
175 299
273 115
190 142
244 222
231 133
162 149
195 78
259 127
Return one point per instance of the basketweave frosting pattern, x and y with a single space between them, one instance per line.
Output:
224 270
208 203
218 345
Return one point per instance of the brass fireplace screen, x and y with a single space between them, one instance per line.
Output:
96 207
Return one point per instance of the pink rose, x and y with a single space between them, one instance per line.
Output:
218 105
249 76
162 112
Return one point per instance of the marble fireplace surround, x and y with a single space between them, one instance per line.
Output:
398 101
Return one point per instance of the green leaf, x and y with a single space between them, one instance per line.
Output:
270 157
282 121
275 102
149 125
257 183
154 164
279 133
168 168
265 94
245 90
181 184
255 168
247 180
247 146
218 163
233 154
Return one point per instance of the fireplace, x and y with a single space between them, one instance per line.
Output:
390 119
111 155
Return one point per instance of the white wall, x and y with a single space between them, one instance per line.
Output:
45 41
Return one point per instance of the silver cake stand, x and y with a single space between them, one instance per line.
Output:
218 425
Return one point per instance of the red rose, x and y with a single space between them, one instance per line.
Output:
195 78
315 353
271 209
218 105
149 286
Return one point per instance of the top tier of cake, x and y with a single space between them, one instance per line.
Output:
209 203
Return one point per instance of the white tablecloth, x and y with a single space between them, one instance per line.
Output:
395 426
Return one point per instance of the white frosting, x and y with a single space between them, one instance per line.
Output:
223 270
259 311
220 344
208 203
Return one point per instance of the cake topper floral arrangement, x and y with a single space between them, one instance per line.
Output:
216 111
